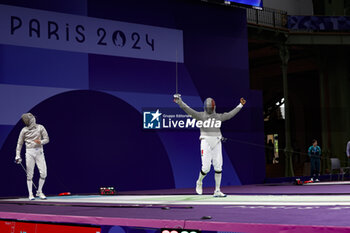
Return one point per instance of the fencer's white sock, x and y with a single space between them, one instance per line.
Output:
41 184
217 181
201 177
30 187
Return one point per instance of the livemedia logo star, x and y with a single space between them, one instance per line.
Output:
152 119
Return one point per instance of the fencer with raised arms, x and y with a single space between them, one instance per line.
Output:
210 137
34 136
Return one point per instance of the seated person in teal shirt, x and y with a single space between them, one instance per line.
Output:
314 153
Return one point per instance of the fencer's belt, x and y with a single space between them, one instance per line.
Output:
212 141
210 137
34 149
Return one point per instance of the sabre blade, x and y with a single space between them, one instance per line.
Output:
27 174
176 75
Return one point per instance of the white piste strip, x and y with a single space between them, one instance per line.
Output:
265 200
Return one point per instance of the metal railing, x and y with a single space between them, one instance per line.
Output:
267 17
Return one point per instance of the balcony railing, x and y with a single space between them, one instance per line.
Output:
267 17
279 19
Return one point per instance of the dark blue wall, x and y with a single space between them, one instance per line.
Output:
91 104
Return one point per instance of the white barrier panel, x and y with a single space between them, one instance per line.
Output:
51 30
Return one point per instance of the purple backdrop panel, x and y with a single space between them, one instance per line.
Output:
78 7
16 100
91 146
152 100
43 67
156 12
97 137
138 75
4 131
68 32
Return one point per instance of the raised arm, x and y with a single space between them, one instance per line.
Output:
193 113
228 115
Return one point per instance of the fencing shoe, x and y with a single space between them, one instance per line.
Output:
218 193
31 197
199 189
41 195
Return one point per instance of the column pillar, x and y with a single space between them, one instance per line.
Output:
284 55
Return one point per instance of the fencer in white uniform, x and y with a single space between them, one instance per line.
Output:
34 136
210 137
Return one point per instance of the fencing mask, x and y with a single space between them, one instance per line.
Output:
209 106
28 119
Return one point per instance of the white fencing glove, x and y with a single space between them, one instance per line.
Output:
177 98
18 159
